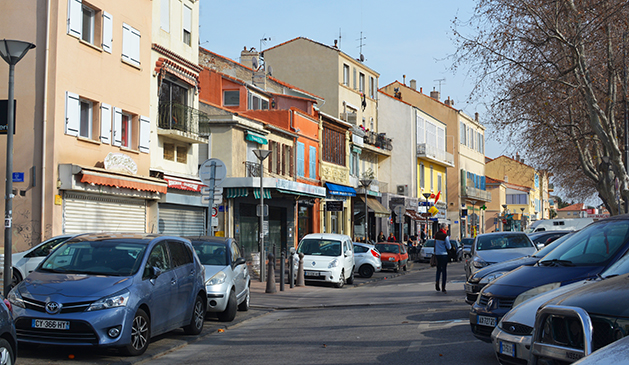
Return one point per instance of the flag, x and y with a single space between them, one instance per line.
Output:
437 197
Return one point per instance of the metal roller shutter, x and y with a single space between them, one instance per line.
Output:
179 220
97 213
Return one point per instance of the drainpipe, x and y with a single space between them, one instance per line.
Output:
44 126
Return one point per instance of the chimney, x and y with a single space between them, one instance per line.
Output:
476 116
414 84
435 94
336 41
449 102
246 57
517 157
421 90
404 79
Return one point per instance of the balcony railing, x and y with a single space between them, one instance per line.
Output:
378 140
253 169
429 151
174 116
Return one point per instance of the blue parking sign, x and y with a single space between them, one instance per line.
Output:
18 177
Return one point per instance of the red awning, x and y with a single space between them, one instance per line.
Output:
122 181
413 215
183 183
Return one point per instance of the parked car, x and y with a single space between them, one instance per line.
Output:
487 274
26 261
512 336
111 290
614 353
427 250
227 279
571 224
583 255
8 339
459 249
542 238
490 248
466 252
393 255
328 257
367 259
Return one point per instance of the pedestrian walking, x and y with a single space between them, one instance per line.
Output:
381 237
442 245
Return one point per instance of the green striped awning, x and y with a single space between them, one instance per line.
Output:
236 193
267 193
255 137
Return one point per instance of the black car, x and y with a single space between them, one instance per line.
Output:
540 239
8 339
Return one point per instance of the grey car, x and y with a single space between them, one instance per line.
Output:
227 278
366 259
490 248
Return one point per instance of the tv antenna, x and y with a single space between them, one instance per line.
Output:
340 38
362 57
263 41
441 82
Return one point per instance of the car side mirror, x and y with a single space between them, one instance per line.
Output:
239 261
154 272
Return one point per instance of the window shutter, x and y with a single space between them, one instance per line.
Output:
278 159
145 134
312 156
271 148
291 164
75 17
283 159
130 44
301 160
187 19
73 114
117 136
165 15
105 123
107 32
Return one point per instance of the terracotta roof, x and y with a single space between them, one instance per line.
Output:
573 207
420 93
156 47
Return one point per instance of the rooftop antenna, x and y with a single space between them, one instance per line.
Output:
339 38
263 41
362 58
441 81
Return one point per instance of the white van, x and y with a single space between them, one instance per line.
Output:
559 224
328 257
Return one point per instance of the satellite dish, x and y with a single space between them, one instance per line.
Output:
254 62
270 71
362 58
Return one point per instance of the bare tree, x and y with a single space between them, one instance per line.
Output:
555 70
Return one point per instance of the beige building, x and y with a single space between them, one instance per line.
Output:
83 118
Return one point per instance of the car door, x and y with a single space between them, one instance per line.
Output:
240 281
184 270
162 289
348 257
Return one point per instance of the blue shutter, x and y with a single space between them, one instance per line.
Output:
312 156
300 159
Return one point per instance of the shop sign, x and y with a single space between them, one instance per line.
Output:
334 206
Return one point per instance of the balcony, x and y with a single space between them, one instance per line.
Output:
181 122
430 152
252 168
378 140
470 192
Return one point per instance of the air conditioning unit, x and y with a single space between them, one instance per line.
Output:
402 190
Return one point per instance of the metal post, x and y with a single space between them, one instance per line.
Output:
262 271
282 269
209 231
8 197
366 219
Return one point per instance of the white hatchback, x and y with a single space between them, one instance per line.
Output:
328 257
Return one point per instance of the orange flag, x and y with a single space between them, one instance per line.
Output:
437 197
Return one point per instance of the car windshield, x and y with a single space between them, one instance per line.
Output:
111 257
429 243
499 242
593 245
211 253
319 247
388 248
467 241
551 246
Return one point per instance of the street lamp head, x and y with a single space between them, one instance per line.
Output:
12 51
261 154
365 182
426 195
504 206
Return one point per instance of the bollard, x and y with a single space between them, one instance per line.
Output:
300 271
282 269
291 270
270 277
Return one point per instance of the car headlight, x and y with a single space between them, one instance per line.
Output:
479 263
333 263
113 301
535 291
218 278
491 277
15 298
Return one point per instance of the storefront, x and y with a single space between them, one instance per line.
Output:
181 212
337 216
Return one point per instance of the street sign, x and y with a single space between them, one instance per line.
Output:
266 210
395 201
205 190
214 211
399 210
205 171
217 199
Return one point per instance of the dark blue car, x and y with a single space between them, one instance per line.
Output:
583 255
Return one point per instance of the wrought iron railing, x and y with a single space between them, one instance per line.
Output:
180 117
253 169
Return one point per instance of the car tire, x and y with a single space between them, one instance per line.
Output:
404 267
198 317
397 267
140 334
350 280
366 271
229 313
341 282
244 306
6 352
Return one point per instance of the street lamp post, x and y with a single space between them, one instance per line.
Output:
12 52
365 183
261 155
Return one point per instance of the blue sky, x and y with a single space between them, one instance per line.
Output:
411 37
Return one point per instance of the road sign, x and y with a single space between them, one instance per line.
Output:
399 210
205 171
205 190
214 211
266 210
217 199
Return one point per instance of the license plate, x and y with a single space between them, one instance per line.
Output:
507 348
486 321
51 325
311 273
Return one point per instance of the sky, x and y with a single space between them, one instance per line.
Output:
409 37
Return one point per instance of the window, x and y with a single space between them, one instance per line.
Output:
312 157
345 75
421 133
432 180
301 169
361 82
187 25
462 133
86 119
257 102
169 151
354 159
164 15
333 146
273 159
130 45
231 98
182 154
439 177
421 176
173 103
355 77
89 24
372 87
517 199
87 31
126 129
287 160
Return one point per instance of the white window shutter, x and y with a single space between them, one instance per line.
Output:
145 134
187 19
117 135
130 44
75 17
73 114
105 123
107 32
165 15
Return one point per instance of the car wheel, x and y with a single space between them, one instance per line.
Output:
366 271
397 267
244 306
350 280
404 267
341 282
198 317
140 334
229 313
7 357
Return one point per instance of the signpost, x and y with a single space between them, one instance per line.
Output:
212 172
399 218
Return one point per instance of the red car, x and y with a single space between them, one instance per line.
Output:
393 255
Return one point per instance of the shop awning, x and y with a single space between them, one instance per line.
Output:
267 193
378 209
231 193
342 190
122 181
414 215
298 193
255 137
